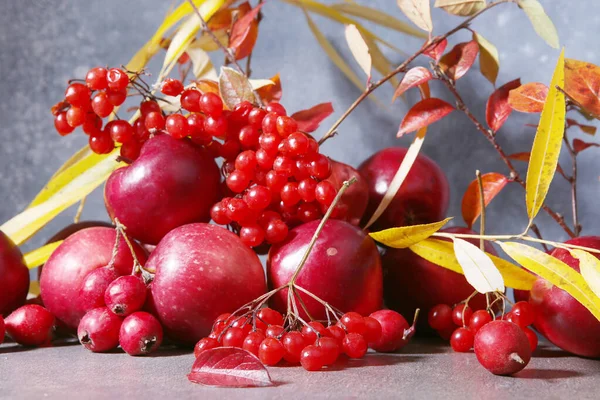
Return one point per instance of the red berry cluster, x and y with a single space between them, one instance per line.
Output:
314 346
460 324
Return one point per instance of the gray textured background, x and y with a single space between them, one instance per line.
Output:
44 43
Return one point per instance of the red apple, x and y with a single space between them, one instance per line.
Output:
14 276
422 198
355 200
561 318
343 269
70 263
172 183
411 282
202 271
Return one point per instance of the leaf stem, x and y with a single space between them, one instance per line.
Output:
482 217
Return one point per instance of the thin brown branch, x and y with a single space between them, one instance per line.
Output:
573 181
482 217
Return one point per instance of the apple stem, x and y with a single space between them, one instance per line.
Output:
516 357
339 195
408 333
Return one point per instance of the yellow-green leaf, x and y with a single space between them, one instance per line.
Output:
441 253
39 256
541 22
589 266
556 272
406 236
463 8
489 62
547 143
418 11
378 17
34 288
358 48
478 267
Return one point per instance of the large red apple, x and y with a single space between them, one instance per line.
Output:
172 183
202 271
355 199
561 318
343 268
411 282
14 276
70 263
422 198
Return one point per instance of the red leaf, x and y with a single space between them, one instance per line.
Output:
436 51
230 367
528 98
414 77
589 129
309 120
459 60
580 145
244 33
497 109
424 113
492 184
582 83
520 156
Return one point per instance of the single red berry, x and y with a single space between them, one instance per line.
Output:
216 126
461 315
255 117
478 320
61 125
93 287
276 231
230 149
286 125
258 197
154 121
125 295
252 235
353 322
354 345
240 112
140 334
270 143
140 132
320 166
211 104
293 344
270 351
264 160
176 125
308 212
120 131
237 210
310 332
337 333
148 106
204 344
289 194
266 217
284 165
102 105
269 124
246 161
98 330
116 98
131 150
395 331
302 169
276 108
325 193
78 95
502 348
524 313
117 79
218 213
101 143
249 136
171 87
96 78
238 181
29 325
270 316
532 337
330 349
76 116
274 331
462 340
372 330
92 124
252 342
297 144
312 358
190 100
440 317
234 337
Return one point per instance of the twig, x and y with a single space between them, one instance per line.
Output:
573 181
259 18
537 232
482 217
79 210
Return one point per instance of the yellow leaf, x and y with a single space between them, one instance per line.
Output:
463 8
541 22
359 48
489 63
556 272
34 288
547 143
378 17
202 65
37 257
478 268
406 236
589 266
441 253
418 11
206 43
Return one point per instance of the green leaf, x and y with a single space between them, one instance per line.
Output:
547 143
541 22
406 236
489 61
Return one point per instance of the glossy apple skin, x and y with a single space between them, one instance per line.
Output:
561 318
411 282
422 198
356 198
202 271
14 276
172 183
344 268
70 263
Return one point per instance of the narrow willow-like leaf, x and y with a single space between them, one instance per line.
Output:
541 22
478 268
589 265
358 48
39 256
463 8
556 272
489 61
547 143
406 236
441 253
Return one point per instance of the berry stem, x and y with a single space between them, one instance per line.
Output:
79 210
137 266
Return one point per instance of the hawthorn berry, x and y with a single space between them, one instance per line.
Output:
140 334
99 329
29 325
125 295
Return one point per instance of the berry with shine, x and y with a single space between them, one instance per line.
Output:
271 351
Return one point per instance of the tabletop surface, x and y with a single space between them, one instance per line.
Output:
425 369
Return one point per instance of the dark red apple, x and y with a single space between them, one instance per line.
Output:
411 282
343 269
202 271
172 183
70 263
561 318
355 200
423 197
14 276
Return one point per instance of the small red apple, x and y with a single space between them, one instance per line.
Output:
14 276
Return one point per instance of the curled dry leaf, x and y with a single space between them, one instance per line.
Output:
589 266
234 87
489 61
271 92
414 77
459 60
229 367
39 256
541 22
358 48
423 114
492 184
589 129
406 236
546 144
523 156
582 83
497 108
435 51
309 120
580 145
528 98
554 271
479 269
244 34
418 11
463 8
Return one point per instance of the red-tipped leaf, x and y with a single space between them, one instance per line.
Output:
414 77
497 109
309 120
492 184
459 60
580 145
435 51
528 98
424 113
